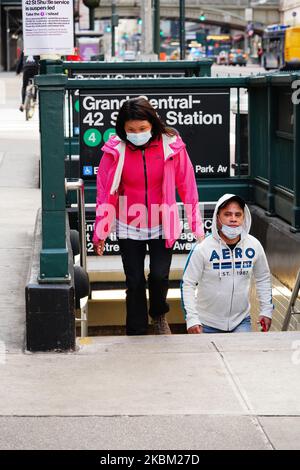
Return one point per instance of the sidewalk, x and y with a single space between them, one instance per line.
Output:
19 200
178 392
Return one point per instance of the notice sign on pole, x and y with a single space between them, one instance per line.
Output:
48 27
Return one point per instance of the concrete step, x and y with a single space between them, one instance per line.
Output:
110 268
108 308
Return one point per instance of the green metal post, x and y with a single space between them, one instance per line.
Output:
92 18
182 28
156 35
204 68
113 26
296 155
271 149
54 253
51 66
251 147
238 134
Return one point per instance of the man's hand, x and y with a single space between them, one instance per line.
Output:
195 330
99 247
265 322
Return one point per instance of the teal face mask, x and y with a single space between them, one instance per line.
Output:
231 232
140 138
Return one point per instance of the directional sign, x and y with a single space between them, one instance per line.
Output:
201 117
138 72
183 245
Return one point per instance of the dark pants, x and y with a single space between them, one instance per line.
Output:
133 254
28 73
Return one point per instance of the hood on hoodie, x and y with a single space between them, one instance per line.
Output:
247 218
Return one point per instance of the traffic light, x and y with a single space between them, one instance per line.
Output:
140 21
108 29
202 17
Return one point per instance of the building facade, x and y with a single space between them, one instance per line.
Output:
290 12
10 33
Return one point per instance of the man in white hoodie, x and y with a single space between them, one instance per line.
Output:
217 276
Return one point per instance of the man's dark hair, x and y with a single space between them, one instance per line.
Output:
236 199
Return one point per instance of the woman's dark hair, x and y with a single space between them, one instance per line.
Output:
141 110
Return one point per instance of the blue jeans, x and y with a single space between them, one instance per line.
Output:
243 327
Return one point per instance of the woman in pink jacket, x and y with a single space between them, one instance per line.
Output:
140 170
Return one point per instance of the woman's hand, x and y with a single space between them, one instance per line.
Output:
99 247
195 330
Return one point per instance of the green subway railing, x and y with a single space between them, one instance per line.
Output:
274 145
199 68
273 181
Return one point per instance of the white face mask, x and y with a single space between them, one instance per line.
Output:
140 138
231 232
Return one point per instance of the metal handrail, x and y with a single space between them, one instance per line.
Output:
78 186
291 307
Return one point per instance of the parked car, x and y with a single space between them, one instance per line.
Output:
129 55
196 54
74 57
222 58
175 55
237 57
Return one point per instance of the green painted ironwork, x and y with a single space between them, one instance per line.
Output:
197 68
270 148
274 155
296 167
274 152
54 253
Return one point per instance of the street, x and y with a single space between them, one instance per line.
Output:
236 71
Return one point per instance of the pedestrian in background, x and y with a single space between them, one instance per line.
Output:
260 53
29 65
140 170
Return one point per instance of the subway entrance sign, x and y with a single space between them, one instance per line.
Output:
129 71
184 244
201 116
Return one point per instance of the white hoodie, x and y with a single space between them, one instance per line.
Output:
216 280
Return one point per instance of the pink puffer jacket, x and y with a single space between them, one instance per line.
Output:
178 173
